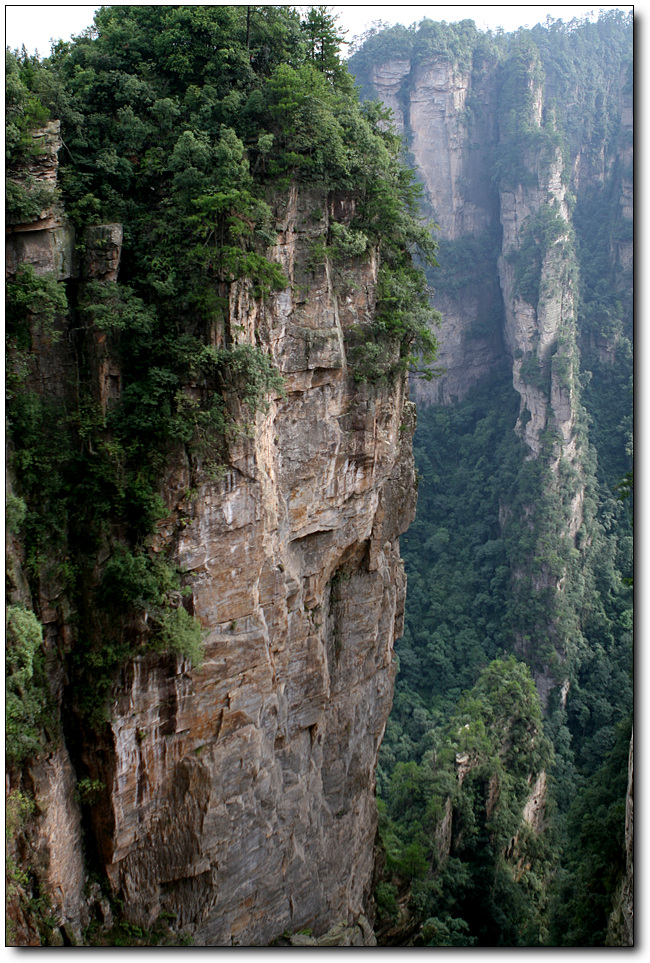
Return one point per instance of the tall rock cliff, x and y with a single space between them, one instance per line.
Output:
448 115
236 798
501 176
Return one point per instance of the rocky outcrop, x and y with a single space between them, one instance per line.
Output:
238 797
46 242
102 252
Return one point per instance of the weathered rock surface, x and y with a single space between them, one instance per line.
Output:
239 797
46 243
103 250
448 142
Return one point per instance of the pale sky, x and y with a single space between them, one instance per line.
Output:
35 26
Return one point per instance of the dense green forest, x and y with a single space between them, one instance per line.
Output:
464 609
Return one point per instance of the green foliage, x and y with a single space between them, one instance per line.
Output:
324 41
468 460
18 807
400 336
347 243
450 932
595 854
181 635
425 40
26 690
89 791
541 231
24 111
465 261
536 372
162 932
386 900
463 896
26 197
605 317
32 300
464 605
15 511
27 201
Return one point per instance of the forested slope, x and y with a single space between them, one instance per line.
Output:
522 540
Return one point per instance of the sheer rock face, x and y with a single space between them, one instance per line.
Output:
240 796
547 326
430 102
445 141
450 116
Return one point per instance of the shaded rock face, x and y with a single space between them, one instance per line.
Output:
431 105
240 796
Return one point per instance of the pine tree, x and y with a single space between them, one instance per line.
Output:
323 41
